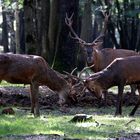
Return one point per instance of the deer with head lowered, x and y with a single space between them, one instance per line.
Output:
33 70
95 54
121 72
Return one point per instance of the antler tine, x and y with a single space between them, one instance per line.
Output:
71 16
102 35
71 36
66 72
73 71
79 40
68 21
105 14
70 75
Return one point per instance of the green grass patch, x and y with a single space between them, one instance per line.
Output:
101 126
4 84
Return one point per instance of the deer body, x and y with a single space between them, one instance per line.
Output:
102 58
121 72
97 55
33 70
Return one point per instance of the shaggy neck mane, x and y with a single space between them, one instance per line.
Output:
55 81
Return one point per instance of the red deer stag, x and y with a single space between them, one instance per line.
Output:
121 72
100 57
33 70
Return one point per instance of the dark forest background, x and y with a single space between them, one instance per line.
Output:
38 27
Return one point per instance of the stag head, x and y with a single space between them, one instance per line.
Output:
94 87
91 83
88 47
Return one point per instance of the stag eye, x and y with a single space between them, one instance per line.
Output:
93 89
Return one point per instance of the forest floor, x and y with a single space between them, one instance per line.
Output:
20 97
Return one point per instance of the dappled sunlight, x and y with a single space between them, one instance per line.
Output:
87 124
101 126
5 84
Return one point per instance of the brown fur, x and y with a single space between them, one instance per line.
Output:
121 72
33 70
103 57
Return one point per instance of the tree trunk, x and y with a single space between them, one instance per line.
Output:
53 30
62 48
128 24
45 28
67 48
22 32
4 32
86 32
38 26
29 20
17 28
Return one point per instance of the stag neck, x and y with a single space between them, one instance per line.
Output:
105 81
54 80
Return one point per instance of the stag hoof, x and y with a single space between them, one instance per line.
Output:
36 115
64 109
117 114
131 114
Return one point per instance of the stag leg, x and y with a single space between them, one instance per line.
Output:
34 99
133 89
119 100
105 98
137 105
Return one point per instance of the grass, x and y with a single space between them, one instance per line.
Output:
54 122
103 125
4 84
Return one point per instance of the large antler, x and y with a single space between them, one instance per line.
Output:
106 17
80 84
69 22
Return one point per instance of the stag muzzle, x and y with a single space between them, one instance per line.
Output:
90 60
89 52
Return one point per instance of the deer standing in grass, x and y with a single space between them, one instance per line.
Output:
99 57
33 70
121 72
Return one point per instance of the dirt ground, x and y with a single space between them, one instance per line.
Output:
19 96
